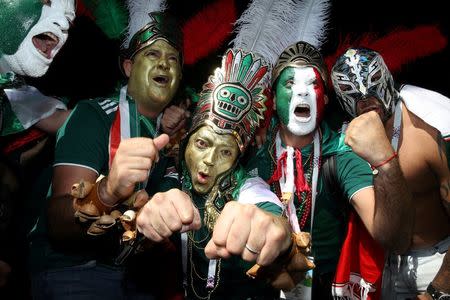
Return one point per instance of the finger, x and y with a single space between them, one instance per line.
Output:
240 230
257 238
149 232
183 205
212 251
170 216
223 224
161 141
275 239
159 225
141 199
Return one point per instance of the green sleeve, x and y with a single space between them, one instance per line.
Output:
270 207
353 173
83 139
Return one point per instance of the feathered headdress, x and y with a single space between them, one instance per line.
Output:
232 101
308 34
148 24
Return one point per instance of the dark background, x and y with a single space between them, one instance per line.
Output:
87 66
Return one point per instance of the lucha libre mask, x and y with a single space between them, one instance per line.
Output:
359 74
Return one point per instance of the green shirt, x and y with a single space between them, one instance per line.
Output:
83 141
353 174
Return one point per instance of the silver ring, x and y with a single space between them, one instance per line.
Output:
251 250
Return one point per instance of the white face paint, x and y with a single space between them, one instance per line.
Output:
303 104
45 39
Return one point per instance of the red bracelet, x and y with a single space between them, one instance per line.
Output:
383 162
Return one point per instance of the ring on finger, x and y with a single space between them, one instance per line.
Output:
251 249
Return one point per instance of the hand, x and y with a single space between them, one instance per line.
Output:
167 213
241 227
173 119
261 136
132 163
367 138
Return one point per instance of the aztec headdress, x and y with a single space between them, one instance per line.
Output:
360 73
232 101
148 24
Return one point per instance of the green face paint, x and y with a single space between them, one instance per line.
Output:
284 93
17 19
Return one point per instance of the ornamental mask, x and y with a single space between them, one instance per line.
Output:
33 33
299 80
359 74
230 108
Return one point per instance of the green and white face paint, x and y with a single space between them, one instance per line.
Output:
299 93
33 33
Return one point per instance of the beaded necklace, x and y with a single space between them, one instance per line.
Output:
303 210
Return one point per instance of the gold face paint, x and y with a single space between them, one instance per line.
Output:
207 156
155 76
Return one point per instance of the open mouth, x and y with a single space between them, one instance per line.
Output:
302 111
45 43
161 79
202 177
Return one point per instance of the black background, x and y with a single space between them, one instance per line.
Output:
87 65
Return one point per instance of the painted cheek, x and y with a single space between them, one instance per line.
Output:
319 88
283 100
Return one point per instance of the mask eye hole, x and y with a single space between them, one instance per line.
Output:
344 87
241 100
376 76
224 93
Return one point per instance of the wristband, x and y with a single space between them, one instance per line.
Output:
375 167
435 294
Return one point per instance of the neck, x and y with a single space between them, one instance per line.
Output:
147 112
295 141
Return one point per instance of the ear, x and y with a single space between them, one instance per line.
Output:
127 64
274 102
325 99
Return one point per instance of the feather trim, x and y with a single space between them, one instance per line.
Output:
207 30
139 10
262 28
312 17
111 17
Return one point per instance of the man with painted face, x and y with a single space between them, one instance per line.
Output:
117 136
235 218
408 127
291 160
33 32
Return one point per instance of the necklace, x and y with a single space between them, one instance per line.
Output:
193 271
305 198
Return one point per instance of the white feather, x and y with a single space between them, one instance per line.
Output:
139 10
266 28
312 17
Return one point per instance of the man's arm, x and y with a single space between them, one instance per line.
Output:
386 210
132 163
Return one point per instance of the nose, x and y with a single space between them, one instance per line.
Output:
208 158
301 90
163 64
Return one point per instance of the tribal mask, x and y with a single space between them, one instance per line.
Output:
359 74
232 101
33 33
